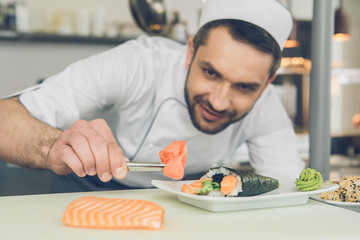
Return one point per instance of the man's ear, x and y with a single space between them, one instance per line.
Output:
270 80
189 53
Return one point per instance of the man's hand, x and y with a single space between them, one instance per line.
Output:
88 148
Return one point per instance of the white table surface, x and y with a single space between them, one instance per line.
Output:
39 217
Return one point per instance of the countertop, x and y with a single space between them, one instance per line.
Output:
39 217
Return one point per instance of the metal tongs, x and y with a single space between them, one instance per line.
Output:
145 166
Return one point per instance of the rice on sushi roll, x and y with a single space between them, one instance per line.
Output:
228 182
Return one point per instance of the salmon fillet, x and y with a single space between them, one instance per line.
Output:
109 213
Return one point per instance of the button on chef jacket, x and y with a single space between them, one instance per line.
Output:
138 88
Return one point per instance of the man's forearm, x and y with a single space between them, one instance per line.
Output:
24 140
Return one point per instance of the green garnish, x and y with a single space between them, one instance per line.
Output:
208 186
309 180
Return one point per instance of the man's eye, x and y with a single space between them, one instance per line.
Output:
245 88
209 73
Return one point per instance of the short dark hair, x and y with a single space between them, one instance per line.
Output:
246 32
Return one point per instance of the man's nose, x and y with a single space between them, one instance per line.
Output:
220 97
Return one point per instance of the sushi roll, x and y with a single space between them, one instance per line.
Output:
336 195
348 191
351 188
228 182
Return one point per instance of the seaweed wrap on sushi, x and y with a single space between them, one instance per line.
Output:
228 182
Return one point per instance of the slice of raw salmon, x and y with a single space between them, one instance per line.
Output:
194 187
228 184
174 158
112 213
188 189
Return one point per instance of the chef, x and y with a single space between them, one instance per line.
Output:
129 103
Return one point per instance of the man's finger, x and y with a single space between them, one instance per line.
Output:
100 151
69 157
95 144
117 161
82 149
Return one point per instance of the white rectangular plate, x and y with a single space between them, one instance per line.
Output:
348 205
286 195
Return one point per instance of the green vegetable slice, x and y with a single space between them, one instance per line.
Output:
208 186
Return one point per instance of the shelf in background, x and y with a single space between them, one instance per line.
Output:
51 38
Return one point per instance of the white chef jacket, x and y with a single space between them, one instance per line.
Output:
138 88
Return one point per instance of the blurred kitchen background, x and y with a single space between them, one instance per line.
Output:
39 38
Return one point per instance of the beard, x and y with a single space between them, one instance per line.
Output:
200 100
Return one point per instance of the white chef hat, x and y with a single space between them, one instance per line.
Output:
270 15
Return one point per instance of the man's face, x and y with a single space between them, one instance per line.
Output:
225 78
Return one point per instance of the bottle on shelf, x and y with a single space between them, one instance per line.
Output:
22 17
1 16
178 28
10 16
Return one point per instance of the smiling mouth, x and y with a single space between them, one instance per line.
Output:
210 115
